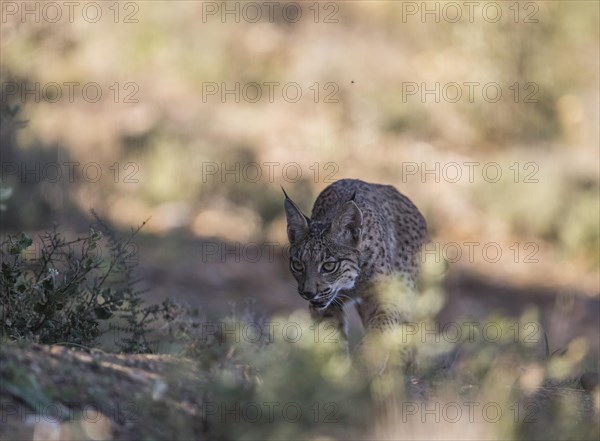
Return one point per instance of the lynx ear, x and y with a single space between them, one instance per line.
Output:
297 222
346 227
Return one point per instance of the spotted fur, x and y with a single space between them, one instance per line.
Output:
358 235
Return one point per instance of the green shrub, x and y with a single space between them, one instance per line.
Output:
69 291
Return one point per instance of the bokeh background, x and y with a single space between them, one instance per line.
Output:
170 138
192 115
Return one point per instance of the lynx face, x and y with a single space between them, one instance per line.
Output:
324 258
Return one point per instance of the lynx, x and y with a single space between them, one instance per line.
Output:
358 236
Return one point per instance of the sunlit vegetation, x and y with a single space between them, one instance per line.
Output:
172 332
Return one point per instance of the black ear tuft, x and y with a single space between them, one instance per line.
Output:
297 222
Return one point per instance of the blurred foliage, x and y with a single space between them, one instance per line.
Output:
283 377
370 53
559 207
253 376
154 155
267 382
68 289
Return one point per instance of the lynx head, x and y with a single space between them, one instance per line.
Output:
324 255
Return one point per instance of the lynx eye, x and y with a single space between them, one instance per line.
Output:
328 267
296 266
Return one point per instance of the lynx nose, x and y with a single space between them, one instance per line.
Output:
308 295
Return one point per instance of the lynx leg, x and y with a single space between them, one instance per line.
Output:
383 343
332 316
